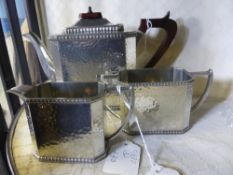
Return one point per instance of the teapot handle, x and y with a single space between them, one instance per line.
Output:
170 28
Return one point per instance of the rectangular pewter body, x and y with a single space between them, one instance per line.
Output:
66 121
163 97
81 58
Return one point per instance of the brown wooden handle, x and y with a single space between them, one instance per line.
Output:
170 28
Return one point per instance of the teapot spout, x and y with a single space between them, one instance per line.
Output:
45 59
20 91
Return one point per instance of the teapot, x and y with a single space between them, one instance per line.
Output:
95 46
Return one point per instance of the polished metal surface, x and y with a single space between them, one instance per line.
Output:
90 47
93 46
205 134
66 121
81 59
81 56
164 98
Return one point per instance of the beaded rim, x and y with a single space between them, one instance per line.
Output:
96 29
64 100
158 132
86 36
57 159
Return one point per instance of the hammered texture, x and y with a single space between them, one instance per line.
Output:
164 109
163 99
66 129
82 60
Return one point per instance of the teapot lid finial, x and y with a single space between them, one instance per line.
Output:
90 14
90 9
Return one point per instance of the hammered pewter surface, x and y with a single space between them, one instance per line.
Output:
208 142
163 97
90 48
66 130
165 109
82 60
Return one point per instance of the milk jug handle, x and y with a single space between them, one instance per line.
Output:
170 28
204 95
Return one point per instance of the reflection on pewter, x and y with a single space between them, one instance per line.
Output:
164 98
94 46
66 120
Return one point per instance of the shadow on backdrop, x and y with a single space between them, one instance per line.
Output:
219 92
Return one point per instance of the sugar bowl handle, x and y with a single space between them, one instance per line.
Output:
204 95
170 28
126 92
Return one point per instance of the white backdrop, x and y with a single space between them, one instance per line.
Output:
204 39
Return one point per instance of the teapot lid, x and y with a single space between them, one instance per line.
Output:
93 26
93 22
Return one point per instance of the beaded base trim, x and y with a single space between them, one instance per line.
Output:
70 159
158 132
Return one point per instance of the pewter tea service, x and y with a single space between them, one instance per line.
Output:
74 116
